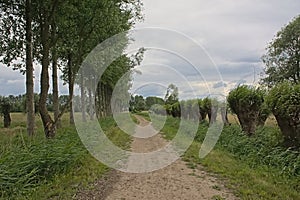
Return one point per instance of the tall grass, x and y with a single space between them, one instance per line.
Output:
264 148
27 164
257 167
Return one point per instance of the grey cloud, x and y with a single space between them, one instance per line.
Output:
240 82
219 84
228 29
13 82
234 33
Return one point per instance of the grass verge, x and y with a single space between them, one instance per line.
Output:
144 114
248 178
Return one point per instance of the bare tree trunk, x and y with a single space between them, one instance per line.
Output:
83 106
248 122
6 120
48 123
107 101
29 72
289 131
97 100
91 108
71 88
6 114
55 88
102 100
224 115
212 114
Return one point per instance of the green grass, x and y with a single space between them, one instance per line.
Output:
134 119
38 168
248 178
144 114
246 182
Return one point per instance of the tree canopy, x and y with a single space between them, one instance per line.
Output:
282 58
63 33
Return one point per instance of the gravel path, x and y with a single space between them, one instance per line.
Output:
176 181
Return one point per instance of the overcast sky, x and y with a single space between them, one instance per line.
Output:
232 33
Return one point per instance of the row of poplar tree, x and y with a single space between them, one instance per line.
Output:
58 35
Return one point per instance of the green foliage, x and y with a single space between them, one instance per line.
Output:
12 34
283 55
5 109
137 103
145 115
5 105
175 109
245 98
284 101
150 101
158 109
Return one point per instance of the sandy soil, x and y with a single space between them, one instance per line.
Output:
176 181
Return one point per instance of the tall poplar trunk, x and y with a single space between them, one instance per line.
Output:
83 106
29 72
48 123
56 111
71 88
91 107
55 89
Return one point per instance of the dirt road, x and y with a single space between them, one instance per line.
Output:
176 181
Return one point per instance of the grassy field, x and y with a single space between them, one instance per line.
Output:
256 168
38 168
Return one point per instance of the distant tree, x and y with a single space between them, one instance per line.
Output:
202 109
211 108
246 101
282 59
158 109
137 103
172 94
5 107
150 101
